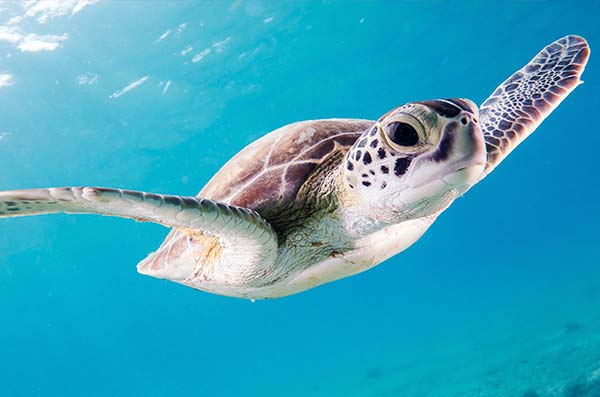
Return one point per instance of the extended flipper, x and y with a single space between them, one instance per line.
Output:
240 233
524 100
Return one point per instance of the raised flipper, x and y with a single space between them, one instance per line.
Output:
239 232
525 99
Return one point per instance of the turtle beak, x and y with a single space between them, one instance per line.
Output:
467 157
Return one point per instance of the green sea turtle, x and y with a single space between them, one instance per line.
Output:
319 200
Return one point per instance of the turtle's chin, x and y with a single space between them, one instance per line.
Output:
437 193
464 175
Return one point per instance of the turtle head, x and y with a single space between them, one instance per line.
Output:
416 160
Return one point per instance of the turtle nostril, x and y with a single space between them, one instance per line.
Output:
464 120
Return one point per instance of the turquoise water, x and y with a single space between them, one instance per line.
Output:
500 298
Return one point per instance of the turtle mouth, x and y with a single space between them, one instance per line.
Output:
464 164
464 173
458 173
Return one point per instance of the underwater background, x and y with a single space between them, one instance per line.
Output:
500 298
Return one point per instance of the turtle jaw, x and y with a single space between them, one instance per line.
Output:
464 176
459 175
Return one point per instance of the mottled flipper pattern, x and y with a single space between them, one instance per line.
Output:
524 100
241 225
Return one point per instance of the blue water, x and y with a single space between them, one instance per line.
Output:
500 298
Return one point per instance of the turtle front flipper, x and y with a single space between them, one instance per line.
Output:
220 233
525 99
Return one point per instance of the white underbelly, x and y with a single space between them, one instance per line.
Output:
370 251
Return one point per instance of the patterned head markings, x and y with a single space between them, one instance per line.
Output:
522 102
416 140
376 161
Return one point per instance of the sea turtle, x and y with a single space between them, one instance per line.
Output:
319 200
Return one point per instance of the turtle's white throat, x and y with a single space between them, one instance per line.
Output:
368 213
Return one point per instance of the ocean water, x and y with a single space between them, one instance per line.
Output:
500 298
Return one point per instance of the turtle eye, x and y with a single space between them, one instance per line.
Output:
402 134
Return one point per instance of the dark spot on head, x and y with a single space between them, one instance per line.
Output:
443 150
383 184
362 143
10 203
367 158
371 172
374 143
365 175
385 169
349 165
357 156
13 209
381 153
401 165
373 131
366 183
351 186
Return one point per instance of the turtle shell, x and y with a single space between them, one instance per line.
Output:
269 172
266 175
